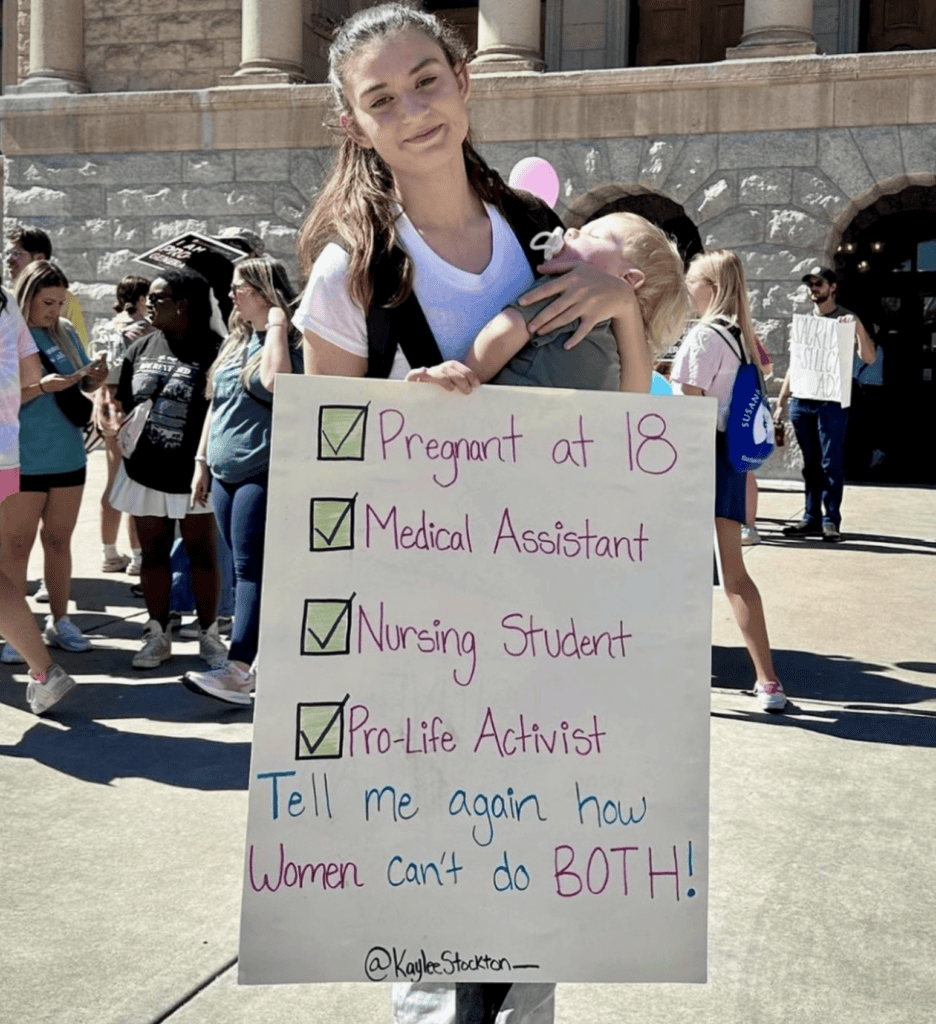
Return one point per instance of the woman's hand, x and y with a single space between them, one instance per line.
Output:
201 478
94 375
450 375
107 414
580 292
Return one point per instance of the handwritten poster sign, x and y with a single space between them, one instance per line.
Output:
821 351
481 739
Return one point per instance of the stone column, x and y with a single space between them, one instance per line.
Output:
271 44
508 36
775 28
56 48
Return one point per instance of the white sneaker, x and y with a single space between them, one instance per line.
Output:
211 648
115 563
42 694
749 535
42 593
770 696
133 569
229 683
157 647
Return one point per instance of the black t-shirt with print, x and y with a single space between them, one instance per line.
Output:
174 378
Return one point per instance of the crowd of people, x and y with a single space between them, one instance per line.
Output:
167 397
421 264
412 236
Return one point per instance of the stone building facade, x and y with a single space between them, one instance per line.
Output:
126 122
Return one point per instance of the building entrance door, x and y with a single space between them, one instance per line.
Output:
890 282
901 25
685 31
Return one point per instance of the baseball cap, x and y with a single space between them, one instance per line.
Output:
826 273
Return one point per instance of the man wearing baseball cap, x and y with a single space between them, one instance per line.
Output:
820 425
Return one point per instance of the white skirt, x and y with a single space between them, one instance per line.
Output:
136 500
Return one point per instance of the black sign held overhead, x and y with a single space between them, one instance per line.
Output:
210 257
190 250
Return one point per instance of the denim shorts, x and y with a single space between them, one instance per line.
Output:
730 485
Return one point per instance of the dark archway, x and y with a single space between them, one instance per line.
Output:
887 267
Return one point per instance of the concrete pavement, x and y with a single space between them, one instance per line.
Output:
124 811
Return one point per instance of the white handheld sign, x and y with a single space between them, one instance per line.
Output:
821 351
482 719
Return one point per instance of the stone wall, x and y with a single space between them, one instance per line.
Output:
780 199
101 211
846 130
137 45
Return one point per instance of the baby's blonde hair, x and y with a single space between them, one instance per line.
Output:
663 297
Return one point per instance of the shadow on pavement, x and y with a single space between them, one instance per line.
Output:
874 543
104 595
868 714
917 666
157 701
902 726
94 752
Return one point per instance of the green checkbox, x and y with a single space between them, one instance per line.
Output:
342 429
332 524
326 626
320 729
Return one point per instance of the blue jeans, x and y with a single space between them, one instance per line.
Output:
241 513
820 432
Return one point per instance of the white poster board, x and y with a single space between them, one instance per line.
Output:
821 351
482 718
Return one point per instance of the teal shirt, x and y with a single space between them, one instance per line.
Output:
239 438
49 441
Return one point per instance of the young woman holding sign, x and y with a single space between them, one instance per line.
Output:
706 365
409 192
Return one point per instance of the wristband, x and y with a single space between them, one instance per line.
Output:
270 325
202 458
42 389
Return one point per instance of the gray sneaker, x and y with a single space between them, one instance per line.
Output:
44 694
211 648
157 647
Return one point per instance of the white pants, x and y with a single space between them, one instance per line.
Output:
434 1003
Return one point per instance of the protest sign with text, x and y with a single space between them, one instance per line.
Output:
821 350
482 720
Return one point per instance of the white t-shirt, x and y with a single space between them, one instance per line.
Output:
16 343
456 304
705 361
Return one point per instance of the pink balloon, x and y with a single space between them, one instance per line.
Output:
536 175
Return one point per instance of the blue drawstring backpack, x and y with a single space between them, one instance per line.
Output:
749 431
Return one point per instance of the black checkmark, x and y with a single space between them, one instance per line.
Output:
329 537
346 609
357 420
312 747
